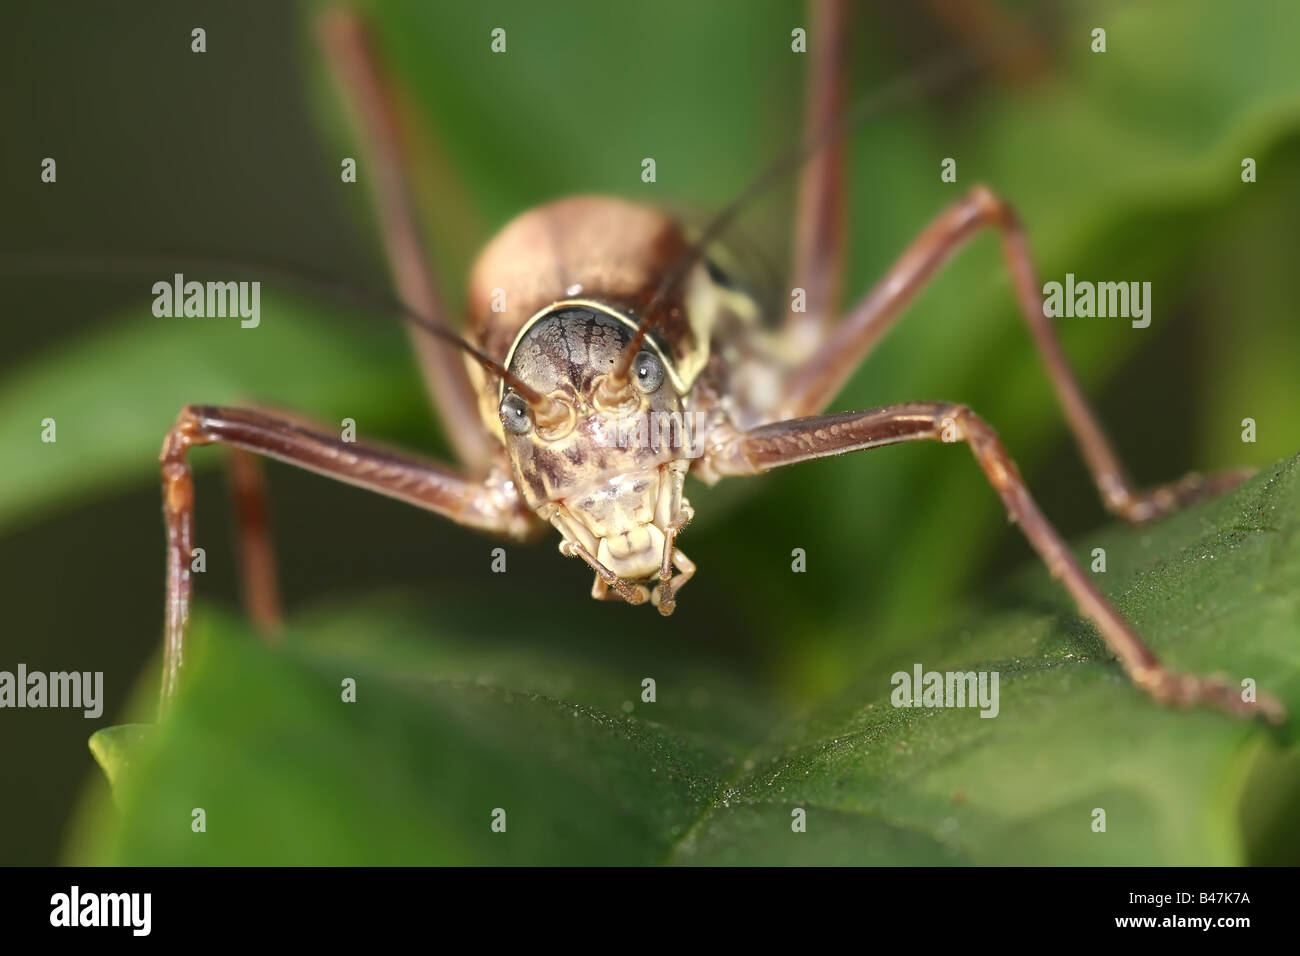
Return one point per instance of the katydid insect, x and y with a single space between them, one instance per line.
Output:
605 359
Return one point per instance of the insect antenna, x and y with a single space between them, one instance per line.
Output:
293 276
927 79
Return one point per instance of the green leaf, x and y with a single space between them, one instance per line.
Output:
114 394
546 722
118 750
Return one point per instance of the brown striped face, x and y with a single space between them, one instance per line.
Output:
597 466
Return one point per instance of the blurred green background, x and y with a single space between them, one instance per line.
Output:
1124 165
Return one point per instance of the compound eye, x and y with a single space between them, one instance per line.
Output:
648 372
514 414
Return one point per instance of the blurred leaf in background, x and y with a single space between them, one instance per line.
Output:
1124 165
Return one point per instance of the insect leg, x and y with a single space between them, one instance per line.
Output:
605 578
783 443
259 585
481 505
812 385
623 591
664 596
818 266
352 57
